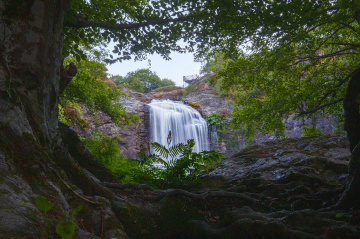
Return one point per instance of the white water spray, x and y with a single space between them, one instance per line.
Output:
183 121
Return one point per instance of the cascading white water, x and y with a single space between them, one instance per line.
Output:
183 121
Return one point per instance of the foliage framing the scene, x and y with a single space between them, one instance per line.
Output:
298 65
87 89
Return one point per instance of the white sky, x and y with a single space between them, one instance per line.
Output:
180 65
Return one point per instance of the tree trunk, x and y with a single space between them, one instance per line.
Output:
36 157
351 196
31 47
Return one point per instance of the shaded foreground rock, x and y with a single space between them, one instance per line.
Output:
279 189
68 176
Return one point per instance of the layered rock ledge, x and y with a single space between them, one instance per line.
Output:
279 189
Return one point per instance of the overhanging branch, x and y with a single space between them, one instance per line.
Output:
319 107
83 23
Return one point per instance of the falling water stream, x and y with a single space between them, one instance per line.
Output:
183 121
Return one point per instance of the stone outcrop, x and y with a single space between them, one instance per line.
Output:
279 189
130 138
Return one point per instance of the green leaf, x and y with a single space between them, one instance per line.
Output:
43 204
66 230
76 211
342 214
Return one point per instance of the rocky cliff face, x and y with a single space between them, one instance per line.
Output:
131 138
201 98
207 102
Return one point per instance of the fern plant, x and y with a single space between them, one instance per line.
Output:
178 164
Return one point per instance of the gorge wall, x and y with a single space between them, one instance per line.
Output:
201 98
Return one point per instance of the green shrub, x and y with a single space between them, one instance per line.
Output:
103 148
171 168
311 131
93 94
215 121
106 151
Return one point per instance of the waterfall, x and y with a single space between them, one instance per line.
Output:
183 121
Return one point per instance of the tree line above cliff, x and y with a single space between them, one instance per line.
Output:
142 80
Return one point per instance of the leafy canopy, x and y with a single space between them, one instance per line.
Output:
138 27
283 58
296 61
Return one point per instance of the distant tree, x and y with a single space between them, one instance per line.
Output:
150 80
142 80
213 64
166 82
117 79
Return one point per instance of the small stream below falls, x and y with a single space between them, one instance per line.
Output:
183 121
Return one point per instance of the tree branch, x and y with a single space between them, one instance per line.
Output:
338 53
343 44
78 22
320 107
340 83
327 38
349 26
